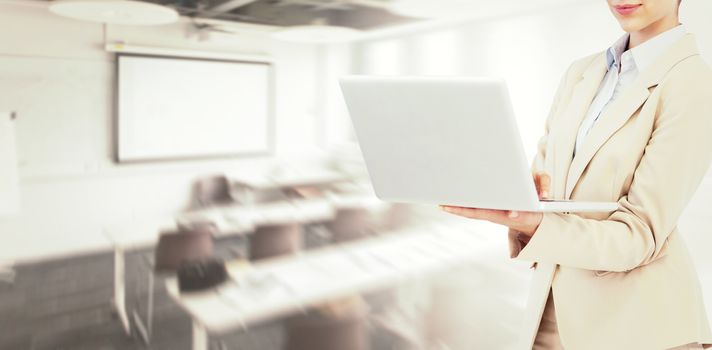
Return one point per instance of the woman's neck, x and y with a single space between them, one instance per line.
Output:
655 28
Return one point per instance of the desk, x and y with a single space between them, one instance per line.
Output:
134 236
146 234
288 178
232 220
367 201
246 185
285 285
302 210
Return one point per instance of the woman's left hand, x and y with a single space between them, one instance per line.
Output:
522 221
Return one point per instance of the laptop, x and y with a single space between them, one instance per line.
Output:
449 141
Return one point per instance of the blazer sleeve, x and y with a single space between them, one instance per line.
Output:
517 241
675 161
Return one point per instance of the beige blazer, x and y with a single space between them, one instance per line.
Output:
624 279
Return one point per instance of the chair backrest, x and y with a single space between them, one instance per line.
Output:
275 240
347 330
176 247
350 224
398 216
212 190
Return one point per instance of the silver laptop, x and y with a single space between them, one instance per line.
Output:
451 141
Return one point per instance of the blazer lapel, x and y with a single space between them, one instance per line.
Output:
617 113
584 92
610 120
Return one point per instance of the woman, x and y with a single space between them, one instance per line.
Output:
632 124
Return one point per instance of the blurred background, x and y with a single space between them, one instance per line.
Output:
182 174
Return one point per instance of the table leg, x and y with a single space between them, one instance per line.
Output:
120 288
152 291
200 337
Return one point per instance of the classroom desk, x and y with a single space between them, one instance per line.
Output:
368 201
302 210
289 179
246 185
287 285
124 238
231 220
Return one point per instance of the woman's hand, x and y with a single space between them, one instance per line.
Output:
524 222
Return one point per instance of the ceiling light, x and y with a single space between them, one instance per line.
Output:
318 32
435 9
126 12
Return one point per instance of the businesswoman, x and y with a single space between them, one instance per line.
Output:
632 124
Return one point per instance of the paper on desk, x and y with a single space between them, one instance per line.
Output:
213 216
259 295
221 312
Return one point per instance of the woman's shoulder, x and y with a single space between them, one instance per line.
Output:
690 76
580 65
693 67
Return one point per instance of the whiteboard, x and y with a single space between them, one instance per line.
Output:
180 108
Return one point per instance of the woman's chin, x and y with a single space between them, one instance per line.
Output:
631 25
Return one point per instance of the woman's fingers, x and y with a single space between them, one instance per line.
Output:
497 216
535 176
522 221
545 185
542 182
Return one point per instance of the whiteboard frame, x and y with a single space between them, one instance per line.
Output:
271 115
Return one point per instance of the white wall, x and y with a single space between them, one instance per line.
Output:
57 77
9 186
531 50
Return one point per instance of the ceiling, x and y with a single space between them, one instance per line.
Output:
356 14
370 18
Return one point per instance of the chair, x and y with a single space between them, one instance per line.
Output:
342 325
398 216
184 245
173 248
350 224
212 191
274 240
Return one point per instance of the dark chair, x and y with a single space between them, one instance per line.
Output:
187 244
212 191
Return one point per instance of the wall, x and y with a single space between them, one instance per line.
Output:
9 186
531 50
58 78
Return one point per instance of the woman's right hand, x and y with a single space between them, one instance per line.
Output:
542 181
